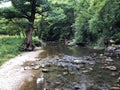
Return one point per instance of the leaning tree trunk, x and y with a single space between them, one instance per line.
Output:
27 44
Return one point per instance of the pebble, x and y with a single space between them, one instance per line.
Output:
76 61
65 73
36 67
56 89
109 59
27 68
58 76
78 67
118 80
112 68
65 69
45 70
113 74
32 64
40 80
76 87
72 73
48 65
115 88
43 65
90 69
85 71
57 83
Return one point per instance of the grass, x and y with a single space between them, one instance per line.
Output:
9 47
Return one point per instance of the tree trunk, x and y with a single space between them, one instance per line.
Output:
28 45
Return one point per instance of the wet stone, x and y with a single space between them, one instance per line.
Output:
43 65
90 69
84 62
36 67
115 88
92 62
57 83
48 65
32 64
27 68
40 80
113 74
118 80
65 73
78 67
77 61
87 58
112 68
58 76
57 89
77 87
85 71
74 83
109 59
65 68
45 70
72 73
58 60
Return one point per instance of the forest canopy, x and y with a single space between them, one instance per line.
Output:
84 21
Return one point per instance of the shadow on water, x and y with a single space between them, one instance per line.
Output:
77 68
58 49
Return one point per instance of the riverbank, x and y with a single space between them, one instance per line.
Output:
12 74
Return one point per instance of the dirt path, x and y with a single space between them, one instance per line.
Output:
12 74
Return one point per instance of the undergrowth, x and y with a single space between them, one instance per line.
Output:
9 47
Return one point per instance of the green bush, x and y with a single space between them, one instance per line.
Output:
9 47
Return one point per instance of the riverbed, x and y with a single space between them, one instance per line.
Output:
75 68
57 66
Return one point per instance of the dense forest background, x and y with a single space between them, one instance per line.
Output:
83 21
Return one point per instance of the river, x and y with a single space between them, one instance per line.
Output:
76 68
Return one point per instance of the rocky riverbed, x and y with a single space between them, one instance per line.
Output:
77 73
60 67
113 51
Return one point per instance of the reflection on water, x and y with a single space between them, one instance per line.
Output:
77 68
58 49
65 75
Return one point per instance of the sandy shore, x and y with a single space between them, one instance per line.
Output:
12 74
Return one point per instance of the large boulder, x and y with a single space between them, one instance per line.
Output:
113 51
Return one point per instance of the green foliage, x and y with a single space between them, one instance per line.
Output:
9 47
96 19
106 20
12 27
58 23
38 42
87 20
21 14
10 13
81 25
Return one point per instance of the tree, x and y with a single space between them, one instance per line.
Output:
26 9
12 27
81 25
106 20
58 22
96 20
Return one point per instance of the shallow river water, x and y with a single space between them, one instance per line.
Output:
77 68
